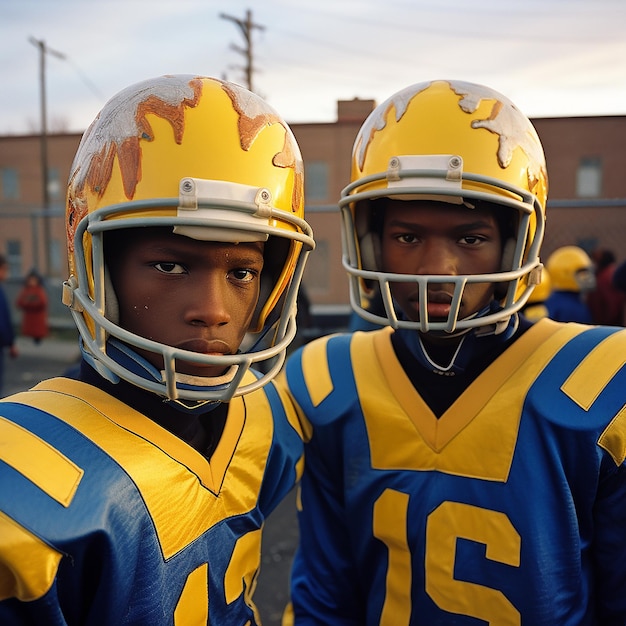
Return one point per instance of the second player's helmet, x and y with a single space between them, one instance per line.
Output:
571 269
212 161
456 142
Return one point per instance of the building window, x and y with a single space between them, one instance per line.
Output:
55 257
9 180
55 188
316 181
317 269
589 178
14 257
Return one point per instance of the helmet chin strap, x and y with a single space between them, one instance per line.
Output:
186 381
130 360
472 342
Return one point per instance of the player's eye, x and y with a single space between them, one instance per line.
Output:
244 275
169 267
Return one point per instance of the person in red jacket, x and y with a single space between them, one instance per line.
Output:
606 302
32 300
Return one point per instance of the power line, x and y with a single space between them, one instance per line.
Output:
86 80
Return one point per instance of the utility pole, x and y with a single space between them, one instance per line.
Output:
246 27
43 49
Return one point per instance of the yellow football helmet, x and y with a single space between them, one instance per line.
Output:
454 142
571 269
213 161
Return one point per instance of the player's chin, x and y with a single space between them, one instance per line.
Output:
201 371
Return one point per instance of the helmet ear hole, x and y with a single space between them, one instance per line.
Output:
508 253
369 218
370 251
111 304
114 244
276 256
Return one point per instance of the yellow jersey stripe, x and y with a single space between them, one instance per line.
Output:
39 462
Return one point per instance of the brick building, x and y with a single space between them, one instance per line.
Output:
587 199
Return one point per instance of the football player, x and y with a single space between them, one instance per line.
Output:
573 277
464 465
136 494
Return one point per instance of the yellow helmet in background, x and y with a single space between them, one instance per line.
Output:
454 142
571 269
213 161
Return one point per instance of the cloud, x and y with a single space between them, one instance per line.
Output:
549 56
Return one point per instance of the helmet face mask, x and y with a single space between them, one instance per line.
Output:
457 143
210 161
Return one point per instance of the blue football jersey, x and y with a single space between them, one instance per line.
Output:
107 518
509 509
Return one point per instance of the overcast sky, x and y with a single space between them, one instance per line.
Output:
551 57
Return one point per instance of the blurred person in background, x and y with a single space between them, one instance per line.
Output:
619 277
32 301
572 276
606 302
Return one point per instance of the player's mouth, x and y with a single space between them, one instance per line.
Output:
438 305
205 346
209 347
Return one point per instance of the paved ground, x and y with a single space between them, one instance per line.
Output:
280 539
37 362
52 357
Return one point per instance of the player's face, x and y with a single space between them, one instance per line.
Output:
194 295
443 240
